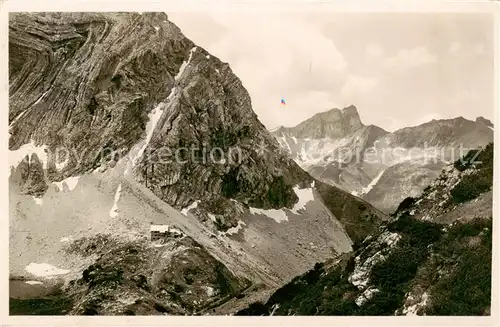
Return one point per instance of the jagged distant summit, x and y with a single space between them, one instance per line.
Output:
333 123
337 148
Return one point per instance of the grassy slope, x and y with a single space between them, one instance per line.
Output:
453 264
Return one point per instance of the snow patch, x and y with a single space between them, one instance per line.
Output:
154 116
40 98
28 149
114 210
218 72
235 230
70 182
33 282
209 290
45 270
193 205
278 215
207 56
212 217
65 239
305 195
185 64
283 142
38 201
157 28
374 182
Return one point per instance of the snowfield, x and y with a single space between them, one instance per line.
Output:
45 270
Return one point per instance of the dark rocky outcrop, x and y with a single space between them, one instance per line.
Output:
29 176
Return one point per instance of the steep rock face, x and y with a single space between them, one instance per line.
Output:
400 181
124 93
134 65
128 66
374 164
29 176
228 151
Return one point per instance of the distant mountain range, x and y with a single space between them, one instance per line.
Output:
381 167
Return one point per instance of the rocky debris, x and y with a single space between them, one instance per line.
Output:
177 276
415 304
377 251
366 296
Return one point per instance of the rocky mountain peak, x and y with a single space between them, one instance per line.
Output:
146 88
334 123
154 130
484 121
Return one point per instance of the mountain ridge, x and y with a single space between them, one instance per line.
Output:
417 263
373 163
125 92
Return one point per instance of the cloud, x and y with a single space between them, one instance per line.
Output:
409 58
312 61
374 52
299 107
478 49
356 84
280 56
467 49
454 48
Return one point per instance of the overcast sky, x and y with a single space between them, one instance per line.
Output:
398 69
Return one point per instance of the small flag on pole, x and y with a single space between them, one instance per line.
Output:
283 101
